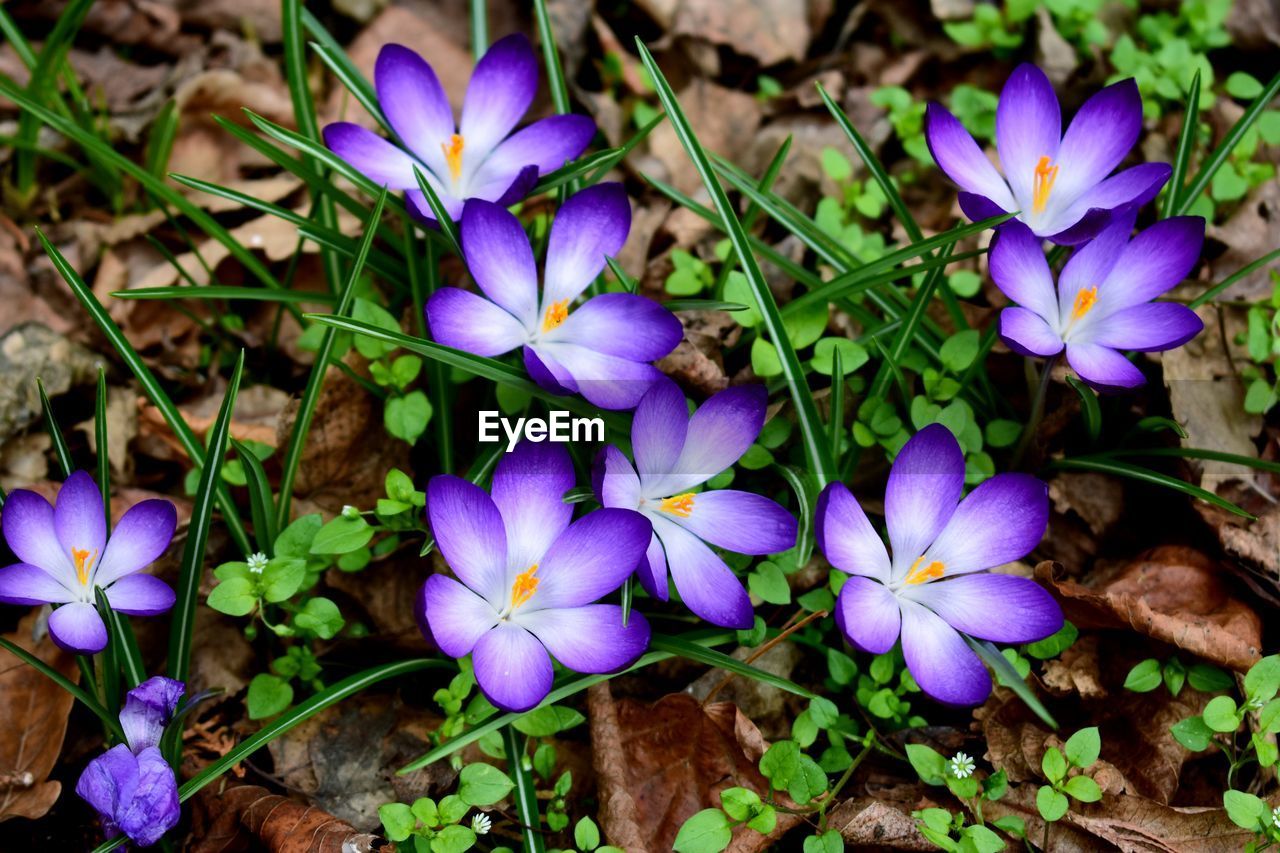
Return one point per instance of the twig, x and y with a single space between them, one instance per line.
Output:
787 631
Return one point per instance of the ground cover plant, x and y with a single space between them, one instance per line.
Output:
754 425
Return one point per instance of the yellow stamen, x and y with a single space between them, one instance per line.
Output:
931 572
556 314
681 505
524 587
1085 300
84 563
1045 176
453 155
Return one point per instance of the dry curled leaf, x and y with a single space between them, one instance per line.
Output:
249 817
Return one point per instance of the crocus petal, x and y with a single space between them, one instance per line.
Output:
1090 265
512 668
420 208
719 432
846 537
371 155
23 583
78 628
1135 186
547 371
1000 521
500 259
546 144
456 616
1000 608
414 103
27 519
516 190
154 808
1098 138
868 615
529 485
109 783
1026 333
658 429
924 485
148 708
499 94
1147 328
652 570
1084 229
622 324
978 207
589 227
468 322
470 534
591 558
140 595
604 380
1028 127
141 537
1155 261
1103 368
589 639
961 159
707 586
939 660
740 521
619 486
79 519
1019 269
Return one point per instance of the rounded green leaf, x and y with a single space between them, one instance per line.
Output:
706 832
1051 804
483 784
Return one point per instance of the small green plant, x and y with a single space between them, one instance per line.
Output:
954 832
1253 813
1174 674
1224 716
438 827
1080 752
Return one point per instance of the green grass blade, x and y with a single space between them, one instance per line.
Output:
835 421
991 657
100 442
525 794
703 305
351 77
108 719
218 291
110 656
698 653
596 163
551 59
1244 271
1197 453
479 28
123 647
1106 465
802 485
261 506
424 279
336 61
1089 407
183 616
816 449
619 153
1186 145
164 129
315 381
448 227
1219 155
60 449
194 449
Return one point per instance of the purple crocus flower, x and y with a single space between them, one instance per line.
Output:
674 454
931 590
477 158
1057 183
65 554
601 348
529 577
131 786
1102 303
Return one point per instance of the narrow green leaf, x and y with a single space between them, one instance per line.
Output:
1186 145
1219 155
100 441
1089 407
60 449
447 226
991 657
1244 271
108 719
681 647
218 291
1197 453
261 504
1106 465
479 28
525 793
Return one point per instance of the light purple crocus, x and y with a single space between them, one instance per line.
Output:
64 555
477 158
1058 184
933 588
528 579
131 786
600 349
675 454
1102 303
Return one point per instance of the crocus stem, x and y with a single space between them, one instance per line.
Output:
848 773
1037 413
525 793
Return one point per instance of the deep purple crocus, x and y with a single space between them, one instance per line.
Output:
528 579
934 588
674 454
1102 303
131 786
600 349
1058 184
65 555
477 158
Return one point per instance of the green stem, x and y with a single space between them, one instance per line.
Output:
1037 412
526 795
844 779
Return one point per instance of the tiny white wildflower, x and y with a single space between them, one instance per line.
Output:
962 766
257 562
480 824
1275 816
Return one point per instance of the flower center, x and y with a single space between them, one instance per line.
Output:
524 587
919 574
1045 176
556 314
83 560
453 155
679 505
1085 300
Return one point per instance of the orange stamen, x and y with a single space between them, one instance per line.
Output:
453 155
556 314
679 505
1043 186
524 587
1085 300
931 572
83 560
